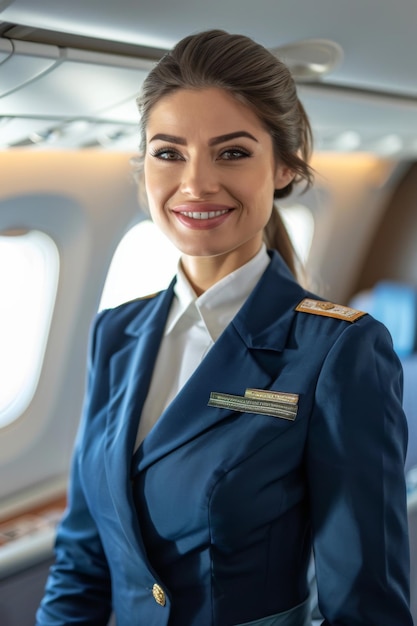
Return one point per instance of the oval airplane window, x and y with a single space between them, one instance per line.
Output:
29 267
144 262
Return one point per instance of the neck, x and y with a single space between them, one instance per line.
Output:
204 272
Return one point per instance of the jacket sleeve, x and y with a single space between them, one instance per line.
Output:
78 589
355 463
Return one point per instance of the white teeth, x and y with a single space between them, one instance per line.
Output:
203 216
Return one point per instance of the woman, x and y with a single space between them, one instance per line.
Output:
234 421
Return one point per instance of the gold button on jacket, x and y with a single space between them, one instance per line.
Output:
158 594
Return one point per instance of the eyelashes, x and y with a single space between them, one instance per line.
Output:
231 153
235 153
166 154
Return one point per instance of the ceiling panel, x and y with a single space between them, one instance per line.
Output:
368 99
377 36
74 89
16 130
25 63
6 49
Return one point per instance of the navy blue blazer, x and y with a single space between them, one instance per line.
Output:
211 522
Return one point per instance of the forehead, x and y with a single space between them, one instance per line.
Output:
212 110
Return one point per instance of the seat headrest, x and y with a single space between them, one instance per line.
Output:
395 305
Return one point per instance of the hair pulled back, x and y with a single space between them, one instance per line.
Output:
257 78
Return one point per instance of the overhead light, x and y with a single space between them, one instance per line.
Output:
389 145
45 136
107 137
310 59
76 127
347 141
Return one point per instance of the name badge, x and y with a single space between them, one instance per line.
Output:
273 403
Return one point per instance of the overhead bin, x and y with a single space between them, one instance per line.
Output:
23 62
61 83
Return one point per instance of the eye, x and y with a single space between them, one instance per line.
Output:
234 154
167 154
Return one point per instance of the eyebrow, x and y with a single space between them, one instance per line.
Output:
213 142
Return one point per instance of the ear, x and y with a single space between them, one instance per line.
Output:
283 176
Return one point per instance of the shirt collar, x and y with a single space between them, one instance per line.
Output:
217 306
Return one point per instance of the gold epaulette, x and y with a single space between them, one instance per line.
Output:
328 309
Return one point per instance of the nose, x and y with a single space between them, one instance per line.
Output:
199 178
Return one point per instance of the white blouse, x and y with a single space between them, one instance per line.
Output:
193 325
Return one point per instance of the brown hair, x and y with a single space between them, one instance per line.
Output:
254 76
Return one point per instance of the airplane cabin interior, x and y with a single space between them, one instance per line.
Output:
70 73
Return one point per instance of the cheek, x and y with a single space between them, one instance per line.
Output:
159 185
157 197
153 188
258 190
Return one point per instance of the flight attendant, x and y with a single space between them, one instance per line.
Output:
235 422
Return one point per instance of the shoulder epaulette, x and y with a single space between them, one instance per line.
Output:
329 309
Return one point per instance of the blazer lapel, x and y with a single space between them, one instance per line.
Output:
130 374
244 356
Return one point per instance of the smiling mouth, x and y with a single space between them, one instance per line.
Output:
203 215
